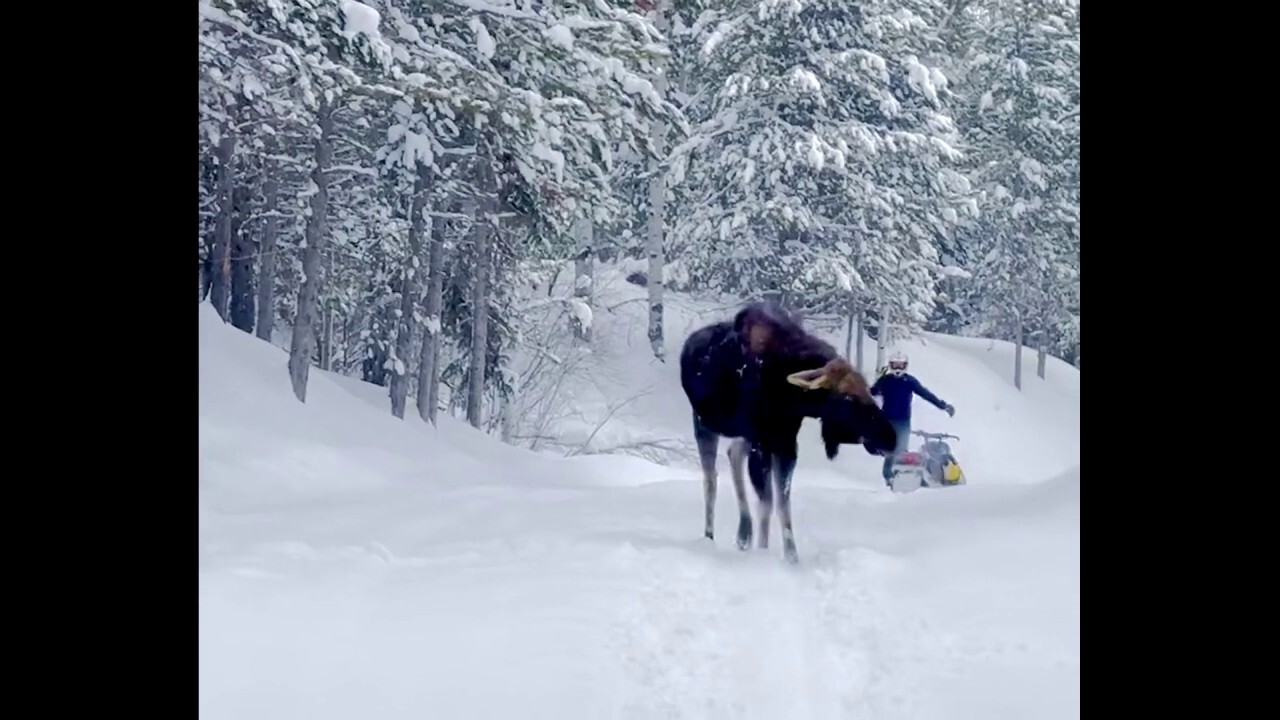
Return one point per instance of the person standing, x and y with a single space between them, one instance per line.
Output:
898 388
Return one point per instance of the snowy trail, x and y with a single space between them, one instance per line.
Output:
707 620
603 603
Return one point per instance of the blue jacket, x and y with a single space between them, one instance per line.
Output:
897 391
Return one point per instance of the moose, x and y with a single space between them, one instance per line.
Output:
754 380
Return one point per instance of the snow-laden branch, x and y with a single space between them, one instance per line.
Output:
219 17
484 7
356 169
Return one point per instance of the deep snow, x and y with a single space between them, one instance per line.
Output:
354 565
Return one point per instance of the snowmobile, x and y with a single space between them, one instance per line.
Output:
932 465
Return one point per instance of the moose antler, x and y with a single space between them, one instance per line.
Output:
837 375
808 379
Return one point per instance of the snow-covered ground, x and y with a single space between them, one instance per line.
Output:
357 566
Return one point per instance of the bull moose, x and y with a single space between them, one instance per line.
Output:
754 380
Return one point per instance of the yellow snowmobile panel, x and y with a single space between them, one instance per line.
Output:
951 472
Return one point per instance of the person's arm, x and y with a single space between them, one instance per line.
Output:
923 392
875 387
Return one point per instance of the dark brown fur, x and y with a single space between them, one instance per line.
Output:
777 339
736 378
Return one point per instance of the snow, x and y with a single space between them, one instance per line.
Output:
554 157
837 158
581 312
505 8
416 80
806 80
1033 171
418 149
356 565
635 85
561 36
252 87
360 20
921 79
484 41
408 32
813 154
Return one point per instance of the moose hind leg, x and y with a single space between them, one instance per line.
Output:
737 459
708 442
758 469
784 464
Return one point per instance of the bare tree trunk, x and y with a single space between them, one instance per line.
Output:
657 212
882 337
859 342
373 369
1017 351
583 266
412 282
508 417
435 385
346 346
241 313
267 254
220 287
848 334
304 326
428 363
378 331
326 346
1042 355
480 284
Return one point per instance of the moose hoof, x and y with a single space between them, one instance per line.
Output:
789 552
744 533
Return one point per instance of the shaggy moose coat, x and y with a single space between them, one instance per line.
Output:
755 380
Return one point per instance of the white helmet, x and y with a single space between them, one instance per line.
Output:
898 362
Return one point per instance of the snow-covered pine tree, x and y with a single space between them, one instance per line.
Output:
409 160
1021 119
227 82
419 155
335 48
561 86
820 165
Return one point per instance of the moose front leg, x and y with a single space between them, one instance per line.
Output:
707 443
758 469
784 464
737 465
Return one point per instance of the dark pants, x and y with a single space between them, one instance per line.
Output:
903 428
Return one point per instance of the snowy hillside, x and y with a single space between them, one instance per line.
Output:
353 565
629 401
